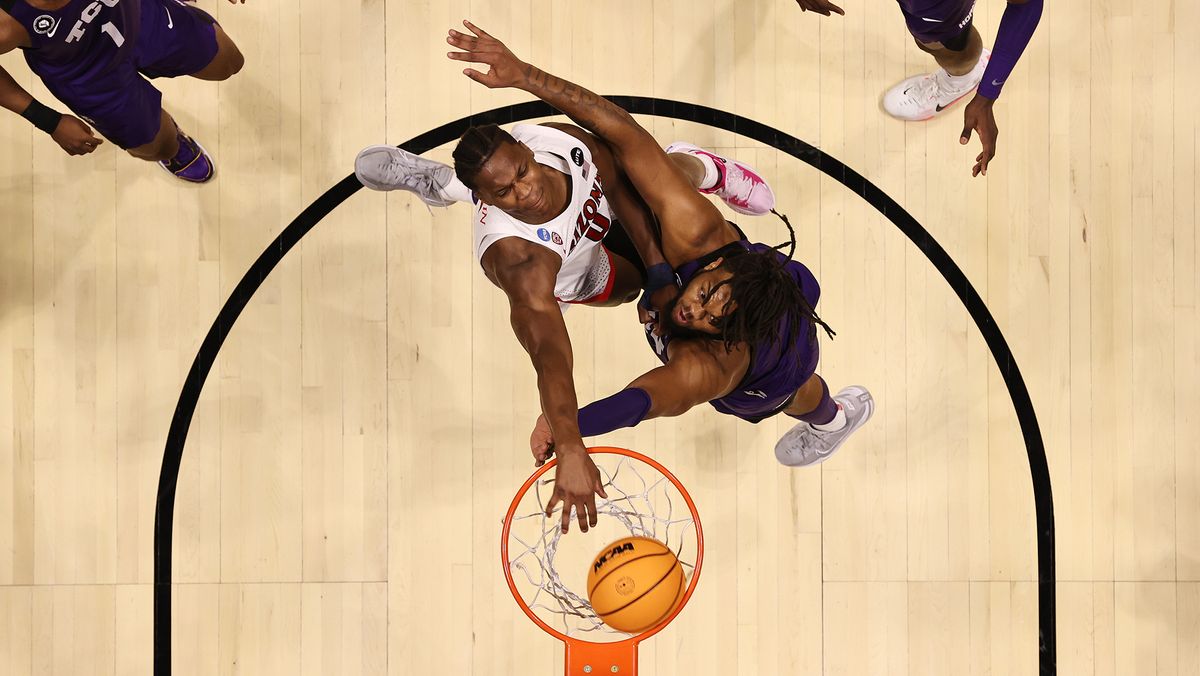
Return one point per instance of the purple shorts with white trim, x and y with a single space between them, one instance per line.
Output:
937 20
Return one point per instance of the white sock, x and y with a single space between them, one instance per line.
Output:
457 191
711 173
957 82
966 80
838 422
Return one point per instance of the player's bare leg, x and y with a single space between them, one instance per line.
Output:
227 63
165 144
956 63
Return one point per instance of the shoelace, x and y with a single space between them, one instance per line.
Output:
925 89
810 438
417 181
413 179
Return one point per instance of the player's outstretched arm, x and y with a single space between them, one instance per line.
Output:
1017 26
526 273
683 213
698 372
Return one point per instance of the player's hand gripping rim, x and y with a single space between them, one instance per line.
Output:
504 68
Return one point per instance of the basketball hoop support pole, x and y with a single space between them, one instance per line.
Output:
601 658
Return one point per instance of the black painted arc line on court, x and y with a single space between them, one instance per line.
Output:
855 182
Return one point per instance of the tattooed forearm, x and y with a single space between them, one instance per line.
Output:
591 111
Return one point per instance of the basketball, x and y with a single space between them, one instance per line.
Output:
635 583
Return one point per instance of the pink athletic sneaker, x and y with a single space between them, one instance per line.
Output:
738 185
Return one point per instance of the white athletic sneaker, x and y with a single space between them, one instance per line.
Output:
921 97
738 185
806 445
390 168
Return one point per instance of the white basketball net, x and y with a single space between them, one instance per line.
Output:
641 501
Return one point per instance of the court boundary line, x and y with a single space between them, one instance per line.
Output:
266 262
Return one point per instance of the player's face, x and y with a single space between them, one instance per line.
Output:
516 184
702 304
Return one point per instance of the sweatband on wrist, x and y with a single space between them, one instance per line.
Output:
623 409
657 276
42 117
1017 25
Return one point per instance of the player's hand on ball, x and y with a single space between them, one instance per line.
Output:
819 6
75 136
576 483
541 442
504 68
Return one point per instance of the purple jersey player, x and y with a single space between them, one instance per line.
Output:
740 334
943 28
95 56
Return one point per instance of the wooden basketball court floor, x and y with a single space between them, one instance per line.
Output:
365 426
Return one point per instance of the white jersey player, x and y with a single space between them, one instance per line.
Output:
556 220
577 233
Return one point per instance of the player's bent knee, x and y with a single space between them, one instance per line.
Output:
928 47
228 61
227 65
236 62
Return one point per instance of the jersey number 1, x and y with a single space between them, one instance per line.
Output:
112 32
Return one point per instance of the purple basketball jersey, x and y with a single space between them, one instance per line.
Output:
84 38
777 368
95 56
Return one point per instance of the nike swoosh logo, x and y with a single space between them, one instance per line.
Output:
55 29
997 83
170 21
939 108
933 20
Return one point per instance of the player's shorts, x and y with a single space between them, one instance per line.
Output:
603 275
175 39
598 285
808 368
947 22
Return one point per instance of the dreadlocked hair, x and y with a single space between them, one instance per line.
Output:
766 294
475 148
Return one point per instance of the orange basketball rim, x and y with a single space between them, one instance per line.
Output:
589 658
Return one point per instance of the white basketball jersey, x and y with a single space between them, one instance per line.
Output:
576 233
